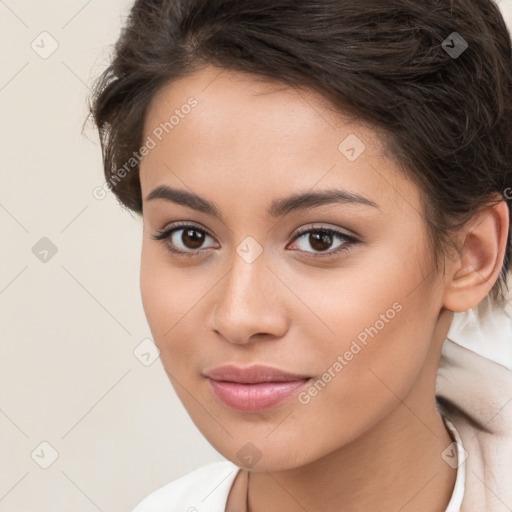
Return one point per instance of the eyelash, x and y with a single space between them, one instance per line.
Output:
349 240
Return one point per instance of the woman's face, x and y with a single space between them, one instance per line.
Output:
256 281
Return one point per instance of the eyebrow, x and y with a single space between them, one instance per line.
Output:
278 207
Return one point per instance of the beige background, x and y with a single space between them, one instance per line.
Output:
68 372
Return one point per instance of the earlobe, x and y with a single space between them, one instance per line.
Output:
470 278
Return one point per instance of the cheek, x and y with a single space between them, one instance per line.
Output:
380 358
155 291
380 363
372 378
381 342
380 325
168 295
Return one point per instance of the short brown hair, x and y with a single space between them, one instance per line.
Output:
446 118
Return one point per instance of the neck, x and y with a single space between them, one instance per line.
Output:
396 465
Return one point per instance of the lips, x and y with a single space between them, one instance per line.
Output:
252 374
254 388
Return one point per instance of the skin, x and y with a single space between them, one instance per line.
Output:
372 438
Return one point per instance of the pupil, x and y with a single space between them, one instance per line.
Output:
318 240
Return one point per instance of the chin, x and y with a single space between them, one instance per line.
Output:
271 462
262 453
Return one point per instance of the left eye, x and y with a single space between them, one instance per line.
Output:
321 239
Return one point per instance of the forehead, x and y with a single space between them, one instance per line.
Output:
259 134
228 99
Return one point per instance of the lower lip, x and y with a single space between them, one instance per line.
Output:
255 397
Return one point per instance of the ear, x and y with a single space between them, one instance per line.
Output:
471 276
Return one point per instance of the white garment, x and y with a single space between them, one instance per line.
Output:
460 463
486 330
474 391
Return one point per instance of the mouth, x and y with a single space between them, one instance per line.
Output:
255 388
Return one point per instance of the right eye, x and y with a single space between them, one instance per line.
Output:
183 239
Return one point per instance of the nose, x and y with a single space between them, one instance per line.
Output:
249 303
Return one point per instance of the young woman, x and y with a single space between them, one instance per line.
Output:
323 185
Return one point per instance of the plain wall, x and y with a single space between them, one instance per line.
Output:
71 322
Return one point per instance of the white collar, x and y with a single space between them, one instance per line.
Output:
460 480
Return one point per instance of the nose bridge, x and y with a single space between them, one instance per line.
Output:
245 304
244 284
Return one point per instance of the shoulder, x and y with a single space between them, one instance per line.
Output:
205 488
474 393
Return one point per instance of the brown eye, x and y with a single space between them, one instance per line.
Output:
321 240
183 239
192 238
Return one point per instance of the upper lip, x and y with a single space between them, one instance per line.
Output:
252 374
